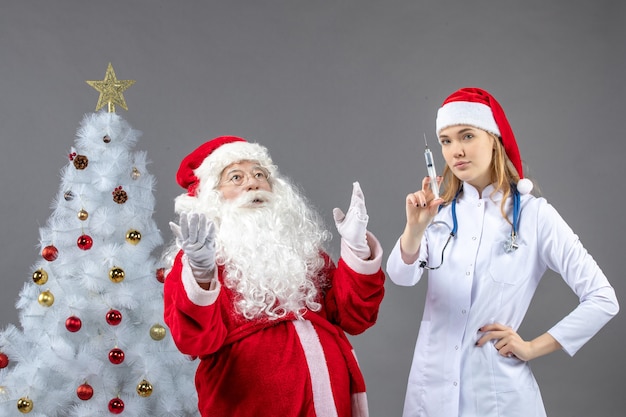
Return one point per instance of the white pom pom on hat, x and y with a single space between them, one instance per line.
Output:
524 186
476 107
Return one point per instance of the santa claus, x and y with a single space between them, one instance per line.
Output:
254 295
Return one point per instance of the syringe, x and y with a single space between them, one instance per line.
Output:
432 173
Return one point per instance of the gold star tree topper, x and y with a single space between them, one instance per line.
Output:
111 90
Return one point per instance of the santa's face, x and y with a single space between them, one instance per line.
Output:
242 177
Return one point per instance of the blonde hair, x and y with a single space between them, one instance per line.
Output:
503 174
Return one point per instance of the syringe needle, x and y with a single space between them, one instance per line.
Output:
432 173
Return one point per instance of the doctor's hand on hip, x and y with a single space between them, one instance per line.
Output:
509 343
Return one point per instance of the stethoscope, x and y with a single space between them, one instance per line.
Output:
510 245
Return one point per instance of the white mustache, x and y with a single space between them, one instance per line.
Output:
253 199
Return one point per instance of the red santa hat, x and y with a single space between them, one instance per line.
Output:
205 164
476 107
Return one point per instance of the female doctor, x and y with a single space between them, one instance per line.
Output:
486 243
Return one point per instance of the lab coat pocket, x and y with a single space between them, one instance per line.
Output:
511 374
509 267
516 390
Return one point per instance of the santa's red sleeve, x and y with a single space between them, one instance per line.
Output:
357 289
192 314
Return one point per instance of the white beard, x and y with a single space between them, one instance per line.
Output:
271 252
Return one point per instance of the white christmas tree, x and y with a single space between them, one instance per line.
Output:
92 340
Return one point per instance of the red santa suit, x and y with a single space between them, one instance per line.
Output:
287 367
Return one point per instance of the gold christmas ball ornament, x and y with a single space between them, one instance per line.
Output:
40 276
157 332
135 174
116 274
46 298
83 215
25 405
133 236
144 389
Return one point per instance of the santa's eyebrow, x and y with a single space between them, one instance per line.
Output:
233 170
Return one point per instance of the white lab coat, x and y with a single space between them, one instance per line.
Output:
479 284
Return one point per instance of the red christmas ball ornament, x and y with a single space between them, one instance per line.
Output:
116 406
4 360
160 275
50 253
116 356
84 391
73 324
85 242
114 317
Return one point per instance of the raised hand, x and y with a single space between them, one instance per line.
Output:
352 226
196 237
421 208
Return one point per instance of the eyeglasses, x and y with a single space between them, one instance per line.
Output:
239 177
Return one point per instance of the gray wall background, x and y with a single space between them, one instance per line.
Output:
338 91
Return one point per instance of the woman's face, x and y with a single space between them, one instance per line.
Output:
468 152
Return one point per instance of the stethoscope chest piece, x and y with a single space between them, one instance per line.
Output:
510 245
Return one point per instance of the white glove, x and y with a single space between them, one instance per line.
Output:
196 237
352 226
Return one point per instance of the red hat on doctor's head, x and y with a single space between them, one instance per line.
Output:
476 107
206 163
